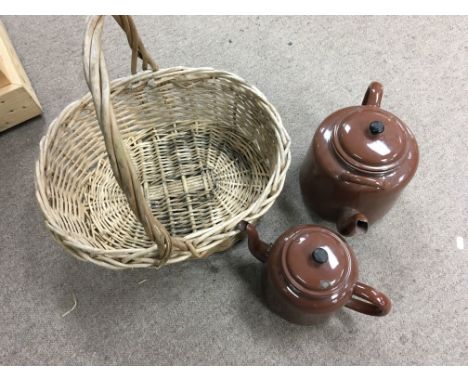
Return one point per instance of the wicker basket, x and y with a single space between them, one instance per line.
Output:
187 153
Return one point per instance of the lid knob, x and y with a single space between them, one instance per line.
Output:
376 127
320 256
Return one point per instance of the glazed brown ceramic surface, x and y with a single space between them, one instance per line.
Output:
310 273
360 159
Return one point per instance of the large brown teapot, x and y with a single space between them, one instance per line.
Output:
360 159
310 273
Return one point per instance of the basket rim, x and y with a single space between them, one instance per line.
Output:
251 213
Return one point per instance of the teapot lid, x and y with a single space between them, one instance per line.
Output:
317 262
369 138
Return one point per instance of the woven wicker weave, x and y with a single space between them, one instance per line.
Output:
187 153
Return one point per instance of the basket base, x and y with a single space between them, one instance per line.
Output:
193 177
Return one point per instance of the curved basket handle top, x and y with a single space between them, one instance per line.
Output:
138 49
98 82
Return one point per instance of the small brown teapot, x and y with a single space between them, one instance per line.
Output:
311 272
360 159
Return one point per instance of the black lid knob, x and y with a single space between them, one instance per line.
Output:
376 127
320 255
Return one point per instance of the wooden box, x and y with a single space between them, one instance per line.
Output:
18 101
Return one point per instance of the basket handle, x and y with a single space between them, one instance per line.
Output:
98 82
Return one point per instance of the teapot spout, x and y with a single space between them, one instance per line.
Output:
351 222
257 247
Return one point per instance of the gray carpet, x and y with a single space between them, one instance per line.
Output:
210 311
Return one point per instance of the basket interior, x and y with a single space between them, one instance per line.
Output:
204 149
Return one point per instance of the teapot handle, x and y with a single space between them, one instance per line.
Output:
375 304
374 94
